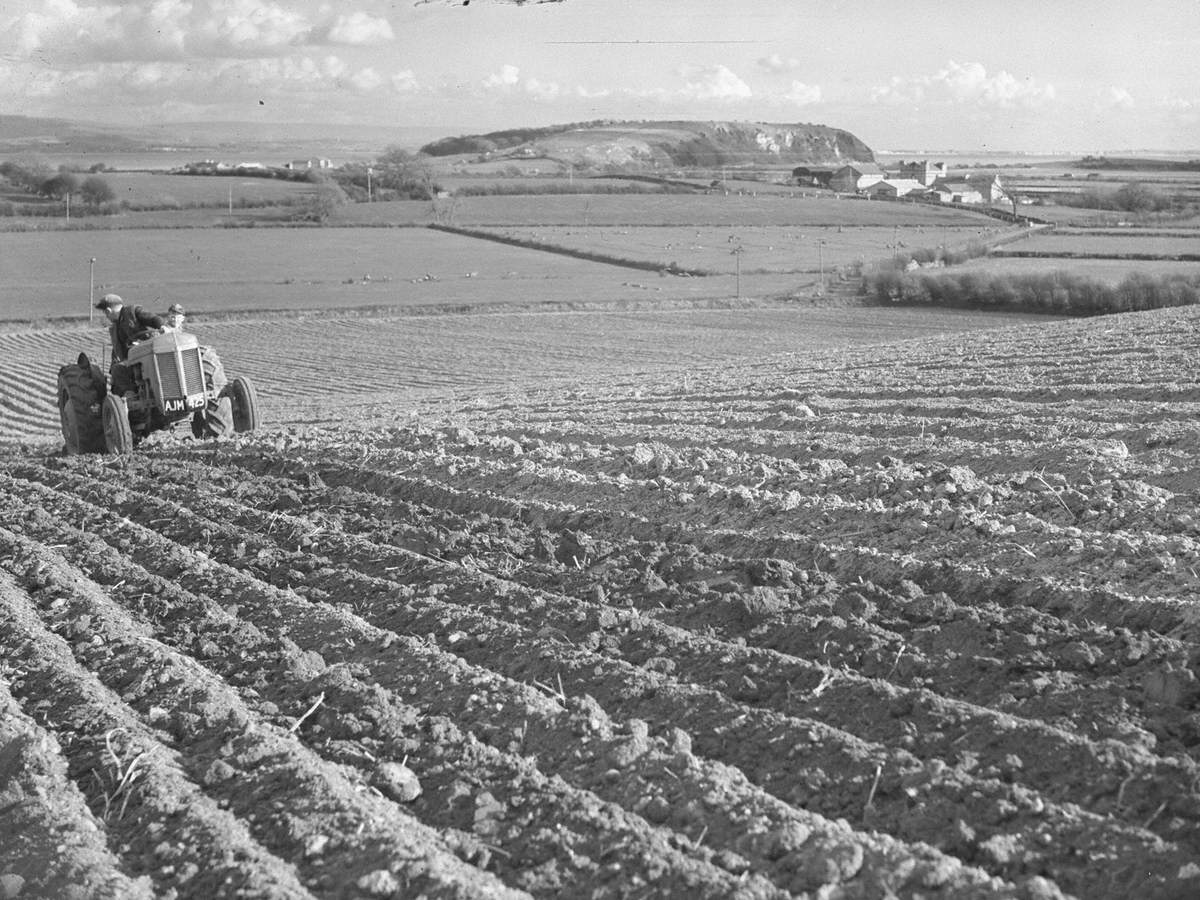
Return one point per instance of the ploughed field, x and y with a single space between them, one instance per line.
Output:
913 620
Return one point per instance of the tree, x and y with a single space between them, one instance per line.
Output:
59 186
323 202
95 191
407 174
27 171
1139 197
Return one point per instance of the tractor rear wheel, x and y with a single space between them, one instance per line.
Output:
80 390
118 436
244 397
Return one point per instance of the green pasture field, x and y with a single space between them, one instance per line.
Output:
46 274
1134 241
1074 216
664 209
160 189
1109 271
762 248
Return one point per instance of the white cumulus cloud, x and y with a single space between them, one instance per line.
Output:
776 63
507 77
360 28
365 80
404 82
802 94
541 90
965 83
1115 97
77 32
715 83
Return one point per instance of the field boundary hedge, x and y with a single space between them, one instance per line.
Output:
1079 254
640 264
1059 292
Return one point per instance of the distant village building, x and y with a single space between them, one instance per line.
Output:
923 171
856 177
305 164
894 188
813 176
989 186
979 187
957 190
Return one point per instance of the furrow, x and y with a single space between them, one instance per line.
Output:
446 619
53 844
286 796
630 845
132 781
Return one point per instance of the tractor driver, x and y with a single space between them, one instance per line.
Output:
175 317
128 323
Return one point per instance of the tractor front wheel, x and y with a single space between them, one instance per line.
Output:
118 436
244 398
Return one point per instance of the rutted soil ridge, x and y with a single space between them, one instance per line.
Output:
913 623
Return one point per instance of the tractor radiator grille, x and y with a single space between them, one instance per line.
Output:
193 372
192 375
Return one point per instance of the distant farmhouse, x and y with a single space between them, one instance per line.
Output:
300 165
894 188
916 180
856 177
924 171
813 176
974 188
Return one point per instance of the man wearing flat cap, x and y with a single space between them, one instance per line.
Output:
128 323
175 316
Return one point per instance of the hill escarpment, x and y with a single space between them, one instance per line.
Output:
647 145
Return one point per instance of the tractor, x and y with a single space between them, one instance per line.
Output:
171 377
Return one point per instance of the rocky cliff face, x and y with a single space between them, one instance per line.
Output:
637 146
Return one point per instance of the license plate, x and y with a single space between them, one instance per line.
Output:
183 404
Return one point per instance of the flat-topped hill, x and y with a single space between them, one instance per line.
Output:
648 145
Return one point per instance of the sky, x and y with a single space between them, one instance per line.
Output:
1045 76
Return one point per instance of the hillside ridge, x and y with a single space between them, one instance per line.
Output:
653 144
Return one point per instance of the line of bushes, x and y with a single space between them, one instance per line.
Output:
643 265
1058 292
580 186
9 209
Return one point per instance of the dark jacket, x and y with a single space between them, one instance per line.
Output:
131 321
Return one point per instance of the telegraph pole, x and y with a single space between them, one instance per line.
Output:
91 289
368 184
820 269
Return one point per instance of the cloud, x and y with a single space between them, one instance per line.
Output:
776 64
1115 97
715 83
508 80
507 77
802 94
364 80
965 83
404 82
1176 103
359 29
541 90
78 32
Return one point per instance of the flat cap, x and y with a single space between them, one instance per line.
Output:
108 301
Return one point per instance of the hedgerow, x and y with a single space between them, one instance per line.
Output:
1058 292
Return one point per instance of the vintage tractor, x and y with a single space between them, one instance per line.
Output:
170 378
